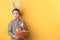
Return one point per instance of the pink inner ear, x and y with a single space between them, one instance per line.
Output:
13 5
17 6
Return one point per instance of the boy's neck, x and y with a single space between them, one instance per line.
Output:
16 19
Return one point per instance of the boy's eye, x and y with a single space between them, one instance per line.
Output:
13 13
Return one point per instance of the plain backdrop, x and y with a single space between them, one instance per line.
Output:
42 18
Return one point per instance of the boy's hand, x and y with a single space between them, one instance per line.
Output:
15 37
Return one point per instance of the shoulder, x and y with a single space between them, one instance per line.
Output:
21 20
10 22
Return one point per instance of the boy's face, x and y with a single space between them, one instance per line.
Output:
15 14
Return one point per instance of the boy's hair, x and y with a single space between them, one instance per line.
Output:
16 10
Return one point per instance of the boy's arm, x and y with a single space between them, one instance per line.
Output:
10 30
25 27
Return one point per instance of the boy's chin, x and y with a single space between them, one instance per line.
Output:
15 18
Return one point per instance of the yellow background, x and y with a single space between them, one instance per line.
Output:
41 16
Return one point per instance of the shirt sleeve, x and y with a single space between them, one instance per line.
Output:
10 30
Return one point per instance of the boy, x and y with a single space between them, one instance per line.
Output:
14 24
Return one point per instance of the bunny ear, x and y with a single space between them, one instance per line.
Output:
13 5
17 6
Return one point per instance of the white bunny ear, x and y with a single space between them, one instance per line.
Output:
13 5
17 6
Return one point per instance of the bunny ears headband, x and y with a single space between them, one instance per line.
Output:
17 6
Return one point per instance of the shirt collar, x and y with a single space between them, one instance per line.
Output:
17 20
